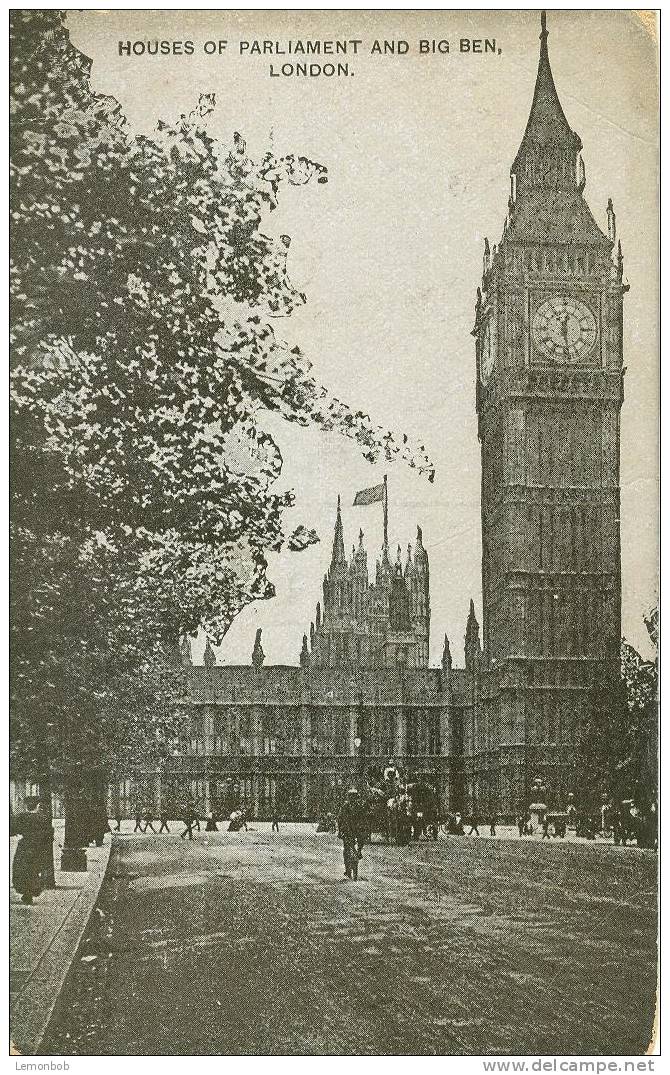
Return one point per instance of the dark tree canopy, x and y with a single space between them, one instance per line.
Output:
145 300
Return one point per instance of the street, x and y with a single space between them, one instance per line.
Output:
255 943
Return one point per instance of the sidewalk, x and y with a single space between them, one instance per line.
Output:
44 940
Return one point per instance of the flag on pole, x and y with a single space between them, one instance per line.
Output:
373 495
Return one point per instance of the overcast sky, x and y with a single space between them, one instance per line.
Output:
418 150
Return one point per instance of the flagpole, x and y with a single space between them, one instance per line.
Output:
386 514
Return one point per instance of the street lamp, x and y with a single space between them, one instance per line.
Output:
359 760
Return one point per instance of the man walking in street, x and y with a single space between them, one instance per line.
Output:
350 829
189 818
275 820
492 823
149 821
164 827
138 820
474 824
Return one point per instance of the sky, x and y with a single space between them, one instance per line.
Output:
418 150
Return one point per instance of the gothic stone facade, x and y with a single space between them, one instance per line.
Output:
294 738
548 331
549 376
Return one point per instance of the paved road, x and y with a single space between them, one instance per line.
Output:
250 943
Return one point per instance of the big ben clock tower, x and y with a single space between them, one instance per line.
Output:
548 331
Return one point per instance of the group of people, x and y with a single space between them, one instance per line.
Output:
191 819
33 860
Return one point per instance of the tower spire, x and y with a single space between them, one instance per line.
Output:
547 156
338 538
446 655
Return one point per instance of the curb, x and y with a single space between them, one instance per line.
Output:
40 998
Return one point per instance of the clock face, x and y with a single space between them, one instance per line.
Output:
564 329
486 355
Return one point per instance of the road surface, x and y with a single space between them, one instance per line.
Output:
254 943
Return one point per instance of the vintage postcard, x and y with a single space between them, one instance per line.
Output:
334 533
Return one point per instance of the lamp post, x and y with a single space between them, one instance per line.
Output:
359 761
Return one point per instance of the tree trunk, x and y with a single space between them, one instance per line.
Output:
48 870
73 858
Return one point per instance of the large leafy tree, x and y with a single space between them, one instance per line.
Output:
637 768
145 297
617 749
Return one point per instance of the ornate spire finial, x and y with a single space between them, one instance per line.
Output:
304 653
257 656
185 649
544 33
338 538
360 537
611 221
446 655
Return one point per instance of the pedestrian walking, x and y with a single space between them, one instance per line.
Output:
189 820
545 827
138 821
474 825
149 821
351 830
163 817
521 823
211 823
275 821
30 859
492 824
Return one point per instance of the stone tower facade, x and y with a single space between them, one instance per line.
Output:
548 331
385 623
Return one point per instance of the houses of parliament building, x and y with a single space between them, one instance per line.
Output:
549 388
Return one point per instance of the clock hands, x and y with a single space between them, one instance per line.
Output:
564 327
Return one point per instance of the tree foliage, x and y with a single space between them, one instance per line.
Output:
145 297
638 762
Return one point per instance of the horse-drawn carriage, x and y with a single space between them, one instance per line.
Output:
401 812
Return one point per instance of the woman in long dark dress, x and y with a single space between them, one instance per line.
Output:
37 835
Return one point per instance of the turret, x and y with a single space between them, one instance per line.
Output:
257 656
185 651
360 556
399 608
209 656
446 656
473 646
304 653
420 554
611 222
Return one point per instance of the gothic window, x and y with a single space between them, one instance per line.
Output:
433 721
412 737
269 734
268 794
